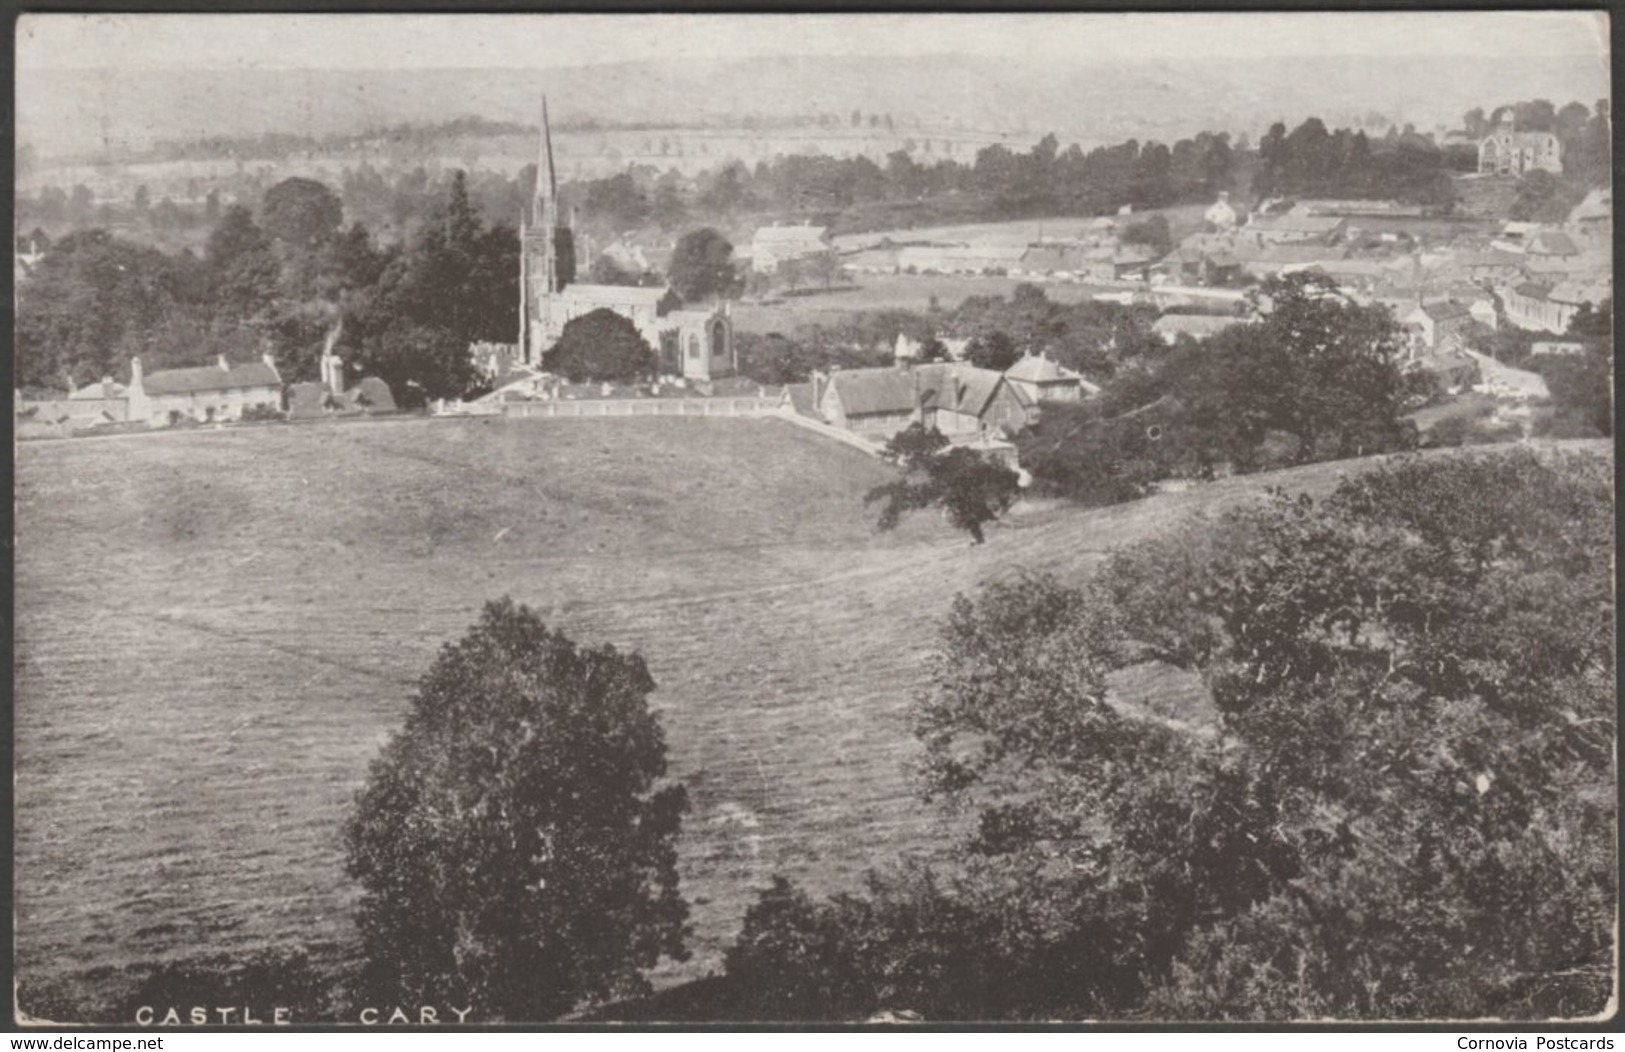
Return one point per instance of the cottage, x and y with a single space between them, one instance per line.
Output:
1219 215
218 392
961 399
1437 323
1043 382
773 246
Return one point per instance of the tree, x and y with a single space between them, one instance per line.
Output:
514 845
1544 198
600 346
1317 367
702 266
993 350
1153 233
606 271
970 489
452 285
301 212
93 302
1397 803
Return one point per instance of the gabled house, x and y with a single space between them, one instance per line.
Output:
1044 382
1436 323
954 397
216 392
1507 151
1296 229
1530 305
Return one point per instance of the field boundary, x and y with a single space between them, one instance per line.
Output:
602 407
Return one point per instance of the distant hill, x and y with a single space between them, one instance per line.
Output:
1099 97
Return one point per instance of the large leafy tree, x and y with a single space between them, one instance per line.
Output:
702 267
971 490
93 303
451 286
514 842
1317 367
301 212
600 346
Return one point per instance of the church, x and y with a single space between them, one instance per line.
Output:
692 344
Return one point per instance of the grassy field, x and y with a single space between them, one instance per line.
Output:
869 292
1182 220
217 630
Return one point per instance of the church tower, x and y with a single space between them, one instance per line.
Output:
547 256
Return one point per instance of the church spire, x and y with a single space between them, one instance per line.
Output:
545 208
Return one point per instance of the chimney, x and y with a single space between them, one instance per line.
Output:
135 372
222 360
270 363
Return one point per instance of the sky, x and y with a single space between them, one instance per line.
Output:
396 41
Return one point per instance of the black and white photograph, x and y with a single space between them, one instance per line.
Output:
813 520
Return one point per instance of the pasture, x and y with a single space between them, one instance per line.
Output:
217 630
873 292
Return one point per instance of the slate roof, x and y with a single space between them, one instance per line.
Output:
1553 243
609 295
801 400
1036 369
97 391
1444 310
868 391
945 385
210 378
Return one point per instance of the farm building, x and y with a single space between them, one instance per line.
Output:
775 245
953 397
